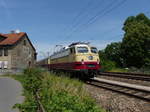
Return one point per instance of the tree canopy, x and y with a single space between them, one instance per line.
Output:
113 52
135 47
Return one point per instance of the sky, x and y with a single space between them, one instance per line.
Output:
60 22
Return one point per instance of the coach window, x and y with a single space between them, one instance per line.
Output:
1 52
5 52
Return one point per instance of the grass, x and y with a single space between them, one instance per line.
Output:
119 70
131 70
57 93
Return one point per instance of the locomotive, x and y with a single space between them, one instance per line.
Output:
80 59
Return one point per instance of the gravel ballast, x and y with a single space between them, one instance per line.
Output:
116 102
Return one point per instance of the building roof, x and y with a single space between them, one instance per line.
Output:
13 38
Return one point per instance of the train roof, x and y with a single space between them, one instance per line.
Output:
71 45
79 43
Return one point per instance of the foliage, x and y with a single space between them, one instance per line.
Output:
135 46
134 50
106 64
57 93
139 70
119 70
113 53
62 94
31 80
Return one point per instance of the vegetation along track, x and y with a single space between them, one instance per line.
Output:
140 92
135 76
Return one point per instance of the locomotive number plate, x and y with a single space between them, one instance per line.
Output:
91 65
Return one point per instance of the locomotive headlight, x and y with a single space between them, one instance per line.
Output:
82 61
90 57
97 61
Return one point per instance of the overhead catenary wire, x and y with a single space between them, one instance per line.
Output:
76 23
84 13
94 19
101 14
79 14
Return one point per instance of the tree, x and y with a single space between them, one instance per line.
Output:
106 64
113 53
135 47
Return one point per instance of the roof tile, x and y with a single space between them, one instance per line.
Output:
11 38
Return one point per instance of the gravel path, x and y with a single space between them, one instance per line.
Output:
10 94
115 102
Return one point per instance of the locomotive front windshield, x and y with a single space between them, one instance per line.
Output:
82 49
94 50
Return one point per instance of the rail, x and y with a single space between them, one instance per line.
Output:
40 106
135 76
137 91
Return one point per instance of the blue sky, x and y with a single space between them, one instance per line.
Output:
51 22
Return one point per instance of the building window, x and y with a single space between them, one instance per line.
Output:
3 64
35 56
1 52
24 42
5 52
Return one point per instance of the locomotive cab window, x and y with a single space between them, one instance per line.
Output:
72 50
82 49
94 50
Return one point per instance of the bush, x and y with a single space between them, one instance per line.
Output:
144 70
107 65
57 93
31 80
63 94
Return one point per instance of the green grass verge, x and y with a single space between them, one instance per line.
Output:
119 70
131 70
57 93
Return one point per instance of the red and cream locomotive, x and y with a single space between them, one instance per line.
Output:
79 58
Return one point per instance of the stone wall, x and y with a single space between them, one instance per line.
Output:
22 55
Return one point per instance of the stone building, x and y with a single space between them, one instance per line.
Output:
16 51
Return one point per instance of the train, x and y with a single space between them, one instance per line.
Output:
80 59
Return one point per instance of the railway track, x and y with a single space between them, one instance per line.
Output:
135 76
140 92
40 106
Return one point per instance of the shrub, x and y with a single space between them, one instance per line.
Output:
57 93
63 94
31 80
107 65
